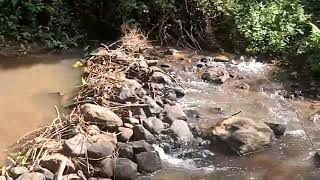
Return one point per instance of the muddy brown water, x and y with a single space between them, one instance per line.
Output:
29 91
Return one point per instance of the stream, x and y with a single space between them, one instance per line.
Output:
31 86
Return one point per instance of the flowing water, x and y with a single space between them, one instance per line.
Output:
291 157
29 90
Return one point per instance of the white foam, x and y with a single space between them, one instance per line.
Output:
251 66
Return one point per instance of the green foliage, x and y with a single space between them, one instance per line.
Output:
313 48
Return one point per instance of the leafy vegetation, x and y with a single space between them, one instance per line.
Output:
278 27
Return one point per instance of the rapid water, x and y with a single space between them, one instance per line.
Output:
291 157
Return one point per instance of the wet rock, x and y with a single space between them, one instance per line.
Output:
100 150
141 146
140 133
93 130
71 177
107 167
17 171
172 113
216 74
148 162
32 176
278 129
75 146
181 130
153 124
53 161
153 107
152 62
98 114
125 135
125 169
125 151
162 78
243 135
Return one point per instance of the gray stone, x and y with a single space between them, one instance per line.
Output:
75 146
125 135
32 176
153 107
141 146
107 167
140 133
216 73
98 114
181 130
125 150
71 177
17 171
162 78
148 162
243 135
125 169
53 161
100 150
172 113
153 124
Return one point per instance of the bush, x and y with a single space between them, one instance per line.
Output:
313 49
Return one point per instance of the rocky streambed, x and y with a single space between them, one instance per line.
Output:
152 113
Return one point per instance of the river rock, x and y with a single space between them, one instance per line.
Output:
70 177
99 114
216 74
107 167
93 130
141 146
75 146
32 176
153 124
100 150
125 150
102 138
278 129
181 130
48 174
125 169
148 162
128 125
17 171
243 135
172 113
130 89
133 121
153 107
125 135
140 133
53 161
162 78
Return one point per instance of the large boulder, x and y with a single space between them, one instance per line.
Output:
172 113
216 73
125 169
148 162
140 133
153 124
98 114
181 130
243 135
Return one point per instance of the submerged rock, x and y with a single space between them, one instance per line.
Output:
32 176
98 114
181 130
140 133
243 135
125 169
148 162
